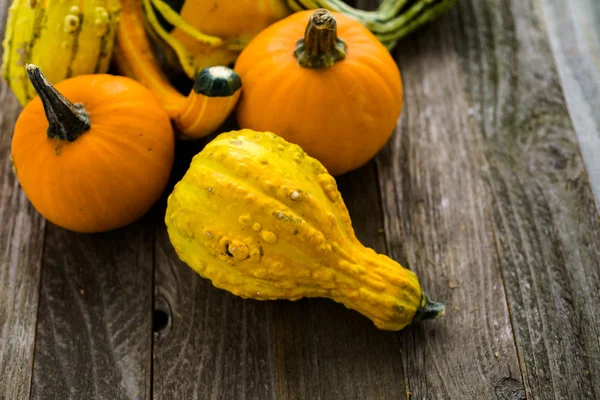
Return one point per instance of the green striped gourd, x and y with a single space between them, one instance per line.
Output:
393 20
64 37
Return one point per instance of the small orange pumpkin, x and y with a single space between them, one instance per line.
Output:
339 98
98 164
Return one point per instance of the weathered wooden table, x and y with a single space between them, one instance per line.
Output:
483 191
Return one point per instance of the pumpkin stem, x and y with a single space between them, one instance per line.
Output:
429 310
320 47
66 121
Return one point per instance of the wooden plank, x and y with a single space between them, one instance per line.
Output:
208 344
437 218
214 345
94 333
21 244
325 351
546 222
574 31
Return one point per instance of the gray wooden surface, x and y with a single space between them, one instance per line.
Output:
21 246
94 328
574 32
437 208
483 191
544 217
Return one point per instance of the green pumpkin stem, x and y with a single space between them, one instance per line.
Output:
320 47
429 310
66 121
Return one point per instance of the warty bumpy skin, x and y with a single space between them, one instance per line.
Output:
263 220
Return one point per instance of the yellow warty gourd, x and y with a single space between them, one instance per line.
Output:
64 38
262 220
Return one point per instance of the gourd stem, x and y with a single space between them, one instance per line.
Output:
320 47
66 121
429 310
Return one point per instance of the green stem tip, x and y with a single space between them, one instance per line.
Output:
217 81
429 310
66 121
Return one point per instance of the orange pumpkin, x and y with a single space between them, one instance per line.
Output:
97 164
337 97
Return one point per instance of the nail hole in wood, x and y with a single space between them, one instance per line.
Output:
160 320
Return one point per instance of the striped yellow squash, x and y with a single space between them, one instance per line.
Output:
210 101
196 34
64 37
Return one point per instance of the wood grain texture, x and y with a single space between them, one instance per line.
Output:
215 345
437 217
546 223
482 191
21 244
325 351
95 323
574 31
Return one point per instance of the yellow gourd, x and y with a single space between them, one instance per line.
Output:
64 38
263 220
